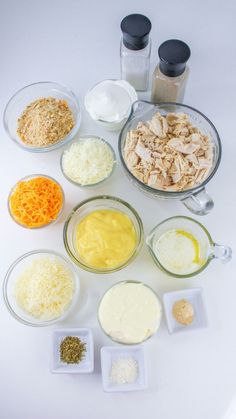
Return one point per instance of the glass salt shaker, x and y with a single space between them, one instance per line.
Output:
135 50
171 74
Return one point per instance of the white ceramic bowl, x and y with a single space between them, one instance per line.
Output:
87 363
109 354
196 298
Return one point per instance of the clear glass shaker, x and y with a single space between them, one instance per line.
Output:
171 74
135 50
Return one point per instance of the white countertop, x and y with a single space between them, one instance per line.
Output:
76 43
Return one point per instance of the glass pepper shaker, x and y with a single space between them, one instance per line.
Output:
135 50
171 74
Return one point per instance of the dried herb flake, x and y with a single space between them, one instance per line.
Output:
72 350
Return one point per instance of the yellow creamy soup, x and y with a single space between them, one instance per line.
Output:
105 239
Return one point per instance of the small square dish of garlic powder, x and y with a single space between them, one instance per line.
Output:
185 310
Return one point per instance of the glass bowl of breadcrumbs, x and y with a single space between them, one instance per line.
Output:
42 116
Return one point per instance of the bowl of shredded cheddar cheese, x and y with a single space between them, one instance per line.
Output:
36 201
41 288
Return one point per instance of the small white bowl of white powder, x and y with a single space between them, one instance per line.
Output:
123 369
88 162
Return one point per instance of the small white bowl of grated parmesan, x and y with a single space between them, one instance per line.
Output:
41 288
88 162
123 368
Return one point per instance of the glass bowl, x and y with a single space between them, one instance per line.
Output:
23 97
98 203
115 125
32 177
195 199
120 341
11 277
93 185
208 249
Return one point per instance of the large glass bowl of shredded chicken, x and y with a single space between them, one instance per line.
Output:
171 151
42 116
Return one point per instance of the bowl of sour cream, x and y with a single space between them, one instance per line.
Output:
109 103
130 312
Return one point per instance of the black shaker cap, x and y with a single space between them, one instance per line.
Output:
173 56
136 29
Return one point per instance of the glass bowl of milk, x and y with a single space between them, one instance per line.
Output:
182 247
109 103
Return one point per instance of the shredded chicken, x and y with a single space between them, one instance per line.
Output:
168 153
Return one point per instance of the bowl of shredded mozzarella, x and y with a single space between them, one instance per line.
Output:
41 288
88 162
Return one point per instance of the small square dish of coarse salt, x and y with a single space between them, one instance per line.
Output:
123 368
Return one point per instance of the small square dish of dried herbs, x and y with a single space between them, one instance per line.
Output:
73 351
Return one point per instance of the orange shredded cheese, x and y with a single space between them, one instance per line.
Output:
36 202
